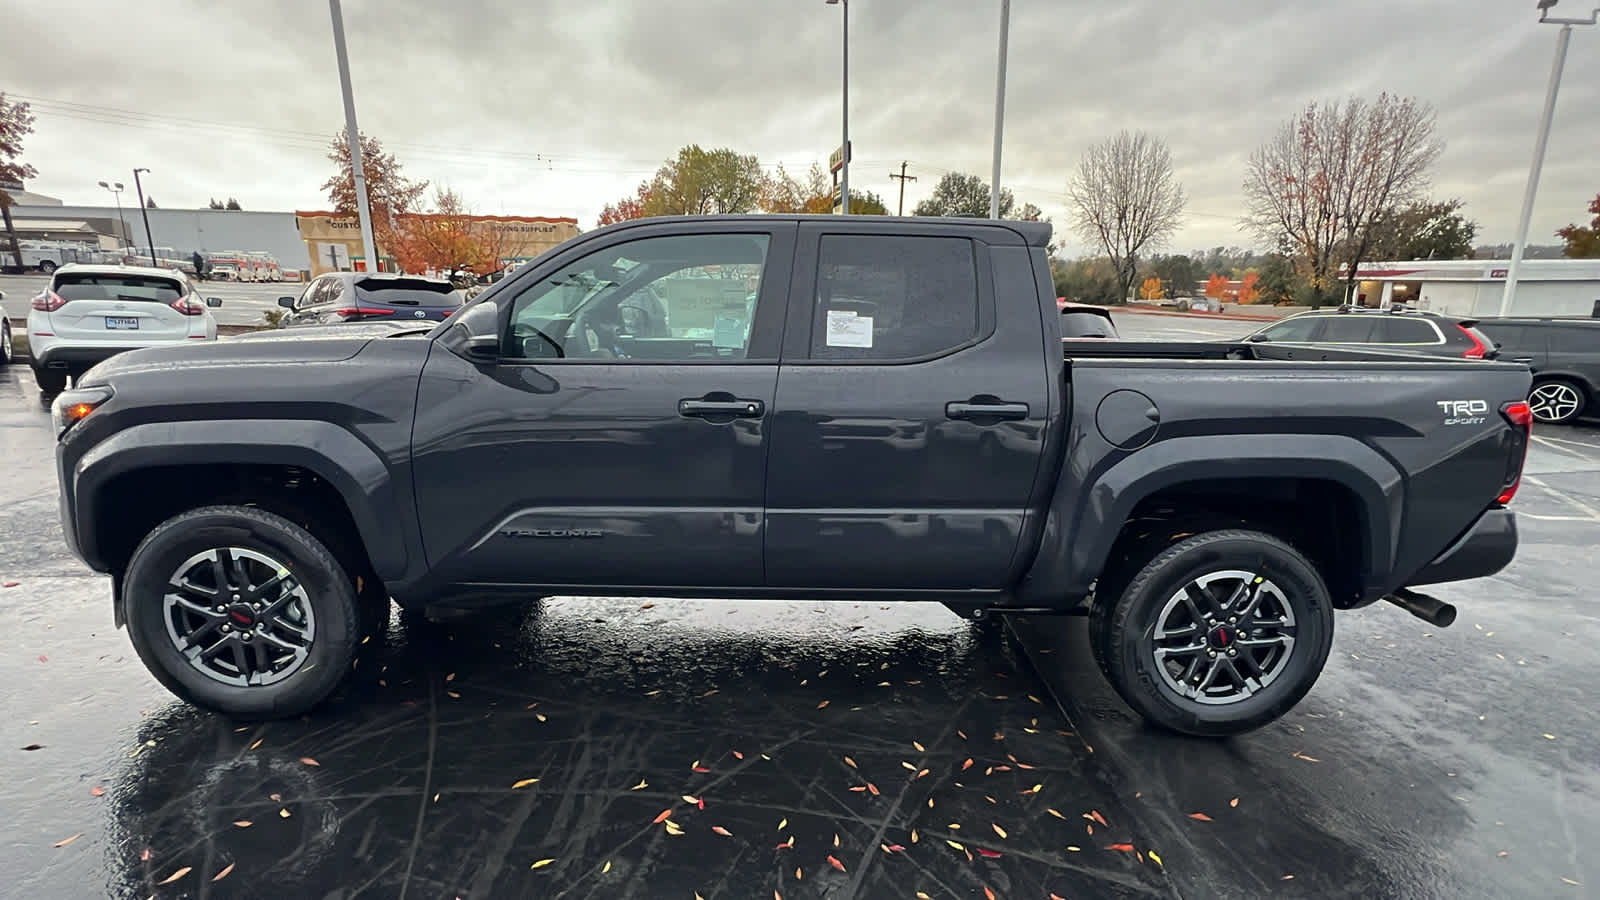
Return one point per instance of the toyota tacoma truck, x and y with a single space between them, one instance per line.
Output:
834 407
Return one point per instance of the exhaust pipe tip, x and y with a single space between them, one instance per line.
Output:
1432 610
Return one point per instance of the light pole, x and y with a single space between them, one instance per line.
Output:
844 140
150 241
117 193
999 107
1539 143
358 171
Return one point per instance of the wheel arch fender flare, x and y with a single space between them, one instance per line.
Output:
350 466
1085 519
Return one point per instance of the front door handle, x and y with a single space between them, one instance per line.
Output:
1522 359
725 406
985 408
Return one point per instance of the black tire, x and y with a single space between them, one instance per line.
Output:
5 343
51 381
328 592
1557 401
1283 578
47 267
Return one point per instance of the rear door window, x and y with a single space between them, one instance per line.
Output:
1299 328
1580 339
1348 330
136 288
893 297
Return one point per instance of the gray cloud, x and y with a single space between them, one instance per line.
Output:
557 108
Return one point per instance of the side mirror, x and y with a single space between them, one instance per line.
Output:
482 348
1258 339
286 302
214 302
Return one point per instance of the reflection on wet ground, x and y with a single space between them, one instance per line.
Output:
598 748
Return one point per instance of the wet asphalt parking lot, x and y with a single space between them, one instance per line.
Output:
806 750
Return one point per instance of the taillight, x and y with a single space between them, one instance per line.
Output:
1477 350
189 306
361 311
1520 415
48 301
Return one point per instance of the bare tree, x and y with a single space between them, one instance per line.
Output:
1335 170
1127 198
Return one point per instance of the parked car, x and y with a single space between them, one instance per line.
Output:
1397 329
89 313
1564 355
360 296
6 353
1084 320
880 424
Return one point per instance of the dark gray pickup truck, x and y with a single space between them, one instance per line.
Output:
784 407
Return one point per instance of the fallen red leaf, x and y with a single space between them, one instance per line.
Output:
1124 848
43 658
895 848
145 856
873 788
176 875
988 893
986 853
1200 817
859 788
1095 815
97 791
836 864
822 704
309 761
224 873
701 769
966 765
738 755
665 815
10 584
701 803
722 831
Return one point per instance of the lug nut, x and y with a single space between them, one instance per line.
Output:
1233 653
1211 653
216 609
228 628
1232 619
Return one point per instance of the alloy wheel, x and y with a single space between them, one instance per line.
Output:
239 616
1554 402
5 343
1223 637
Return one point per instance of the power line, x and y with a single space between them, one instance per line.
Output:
900 210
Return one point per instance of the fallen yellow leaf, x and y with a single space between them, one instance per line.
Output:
539 864
692 801
955 845
822 704
257 743
918 746
454 695
224 873
640 786
283 814
913 835
1155 856
782 824
1234 802
1573 883
244 823
541 717
998 830
1056 814
605 868
524 783
176 875
1549 737
65 841
850 762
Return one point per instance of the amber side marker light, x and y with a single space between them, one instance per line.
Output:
72 407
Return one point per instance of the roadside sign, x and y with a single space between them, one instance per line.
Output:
837 158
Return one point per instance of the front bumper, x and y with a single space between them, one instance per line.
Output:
1486 548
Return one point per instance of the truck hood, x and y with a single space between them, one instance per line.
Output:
275 347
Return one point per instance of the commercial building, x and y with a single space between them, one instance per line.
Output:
332 241
187 230
1474 287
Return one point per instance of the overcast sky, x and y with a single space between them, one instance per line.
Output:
545 108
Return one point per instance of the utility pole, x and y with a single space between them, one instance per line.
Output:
358 171
900 210
999 107
149 241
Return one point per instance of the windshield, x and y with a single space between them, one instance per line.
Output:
408 293
76 286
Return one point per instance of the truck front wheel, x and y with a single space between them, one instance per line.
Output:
241 612
1218 634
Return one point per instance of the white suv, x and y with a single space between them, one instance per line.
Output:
90 313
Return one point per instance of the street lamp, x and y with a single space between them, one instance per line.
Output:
1544 7
145 213
844 140
117 193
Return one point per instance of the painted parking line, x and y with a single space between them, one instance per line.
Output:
1590 514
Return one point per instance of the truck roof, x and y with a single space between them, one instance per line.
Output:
1035 234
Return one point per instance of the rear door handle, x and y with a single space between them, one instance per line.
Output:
720 408
1522 359
985 409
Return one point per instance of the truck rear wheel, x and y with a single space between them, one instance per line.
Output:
241 612
1218 634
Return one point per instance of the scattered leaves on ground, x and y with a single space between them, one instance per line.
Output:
700 769
524 783
1156 858
1033 790
673 828
1095 815
662 817
224 873
872 788
955 845
1199 817
65 841
176 875
1121 848
539 864
986 853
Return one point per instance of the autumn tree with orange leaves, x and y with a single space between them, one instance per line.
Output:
1217 286
1151 289
447 237
1248 291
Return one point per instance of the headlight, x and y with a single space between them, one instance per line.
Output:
72 407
